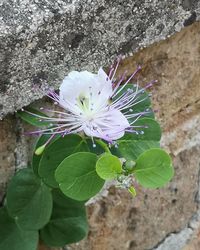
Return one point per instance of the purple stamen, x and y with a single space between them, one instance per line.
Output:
150 84
116 67
134 73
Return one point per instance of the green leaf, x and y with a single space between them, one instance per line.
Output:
12 237
132 145
152 132
77 176
153 168
29 201
68 223
130 150
143 101
36 158
98 150
32 119
55 153
108 166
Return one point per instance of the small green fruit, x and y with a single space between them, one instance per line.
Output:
40 150
129 165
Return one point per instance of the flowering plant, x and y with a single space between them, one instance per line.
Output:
102 130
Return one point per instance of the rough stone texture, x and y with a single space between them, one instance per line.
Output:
176 241
41 40
165 219
194 243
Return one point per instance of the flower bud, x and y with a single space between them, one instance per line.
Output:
129 165
40 150
132 191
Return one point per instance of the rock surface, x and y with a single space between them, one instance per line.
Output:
42 40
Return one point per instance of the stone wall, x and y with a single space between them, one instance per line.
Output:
168 218
42 40
164 219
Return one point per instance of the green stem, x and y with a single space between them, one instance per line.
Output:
103 145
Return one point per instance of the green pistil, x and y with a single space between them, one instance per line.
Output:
83 103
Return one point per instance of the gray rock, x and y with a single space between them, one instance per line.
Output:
176 241
42 40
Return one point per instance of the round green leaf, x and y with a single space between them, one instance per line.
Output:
151 131
68 223
153 168
29 201
131 149
108 167
98 150
12 237
55 153
77 176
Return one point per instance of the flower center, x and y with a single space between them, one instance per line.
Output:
85 105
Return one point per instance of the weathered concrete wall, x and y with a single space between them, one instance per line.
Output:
40 41
165 219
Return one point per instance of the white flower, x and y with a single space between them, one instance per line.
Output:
87 97
96 105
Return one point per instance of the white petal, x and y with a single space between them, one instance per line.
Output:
96 87
75 83
103 76
103 90
109 126
106 83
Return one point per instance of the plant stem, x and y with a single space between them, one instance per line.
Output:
103 145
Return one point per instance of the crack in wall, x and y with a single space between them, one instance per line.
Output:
191 104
